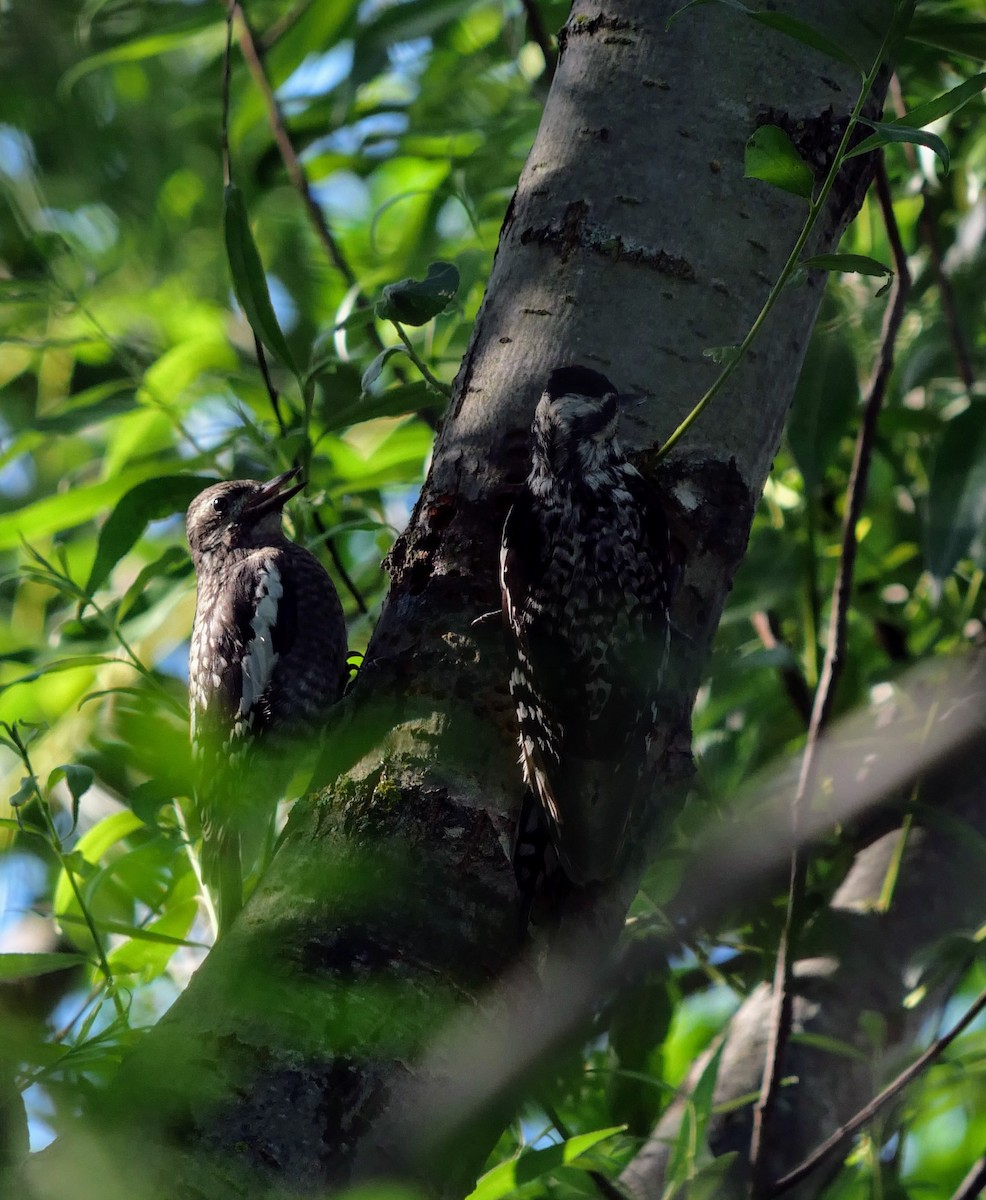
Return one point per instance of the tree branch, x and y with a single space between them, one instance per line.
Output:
253 57
866 1114
832 666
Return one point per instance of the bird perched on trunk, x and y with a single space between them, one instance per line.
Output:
588 572
267 660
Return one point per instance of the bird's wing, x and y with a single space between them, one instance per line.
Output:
536 674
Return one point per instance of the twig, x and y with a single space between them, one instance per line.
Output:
272 392
782 1010
339 565
432 381
974 1183
253 57
224 125
539 34
768 631
866 1114
55 841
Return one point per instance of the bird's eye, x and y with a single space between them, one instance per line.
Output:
219 505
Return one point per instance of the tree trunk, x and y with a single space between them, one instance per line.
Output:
633 244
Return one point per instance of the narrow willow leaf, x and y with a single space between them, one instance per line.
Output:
941 106
29 966
148 501
888 133
249 280
771 156
848 264
966 38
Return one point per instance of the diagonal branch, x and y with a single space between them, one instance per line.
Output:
253 57
782 1011
867 1113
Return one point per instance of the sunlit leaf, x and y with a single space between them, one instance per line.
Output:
504 1179
28 966
772 156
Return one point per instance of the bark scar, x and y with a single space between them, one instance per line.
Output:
575 232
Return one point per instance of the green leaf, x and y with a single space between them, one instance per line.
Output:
29 966
62 664
249 279
150 950
691 1132
173 559
825 399
148 501
68 509
848 264
772 156
506 1177
198 35
79 780
966 38
374 370
887 133
941 106
26 791
414 302
955 517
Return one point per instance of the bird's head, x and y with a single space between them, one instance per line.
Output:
239 515
575 423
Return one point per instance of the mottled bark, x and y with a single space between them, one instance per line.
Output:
633 244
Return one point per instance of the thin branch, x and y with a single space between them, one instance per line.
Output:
432 381
782 1011
273 34
340 566
974 1183
821 1152
768 631
224 127
272 392
253 57
538 33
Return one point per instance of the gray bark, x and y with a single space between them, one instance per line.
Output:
633 244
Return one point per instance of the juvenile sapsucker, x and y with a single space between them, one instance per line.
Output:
267 660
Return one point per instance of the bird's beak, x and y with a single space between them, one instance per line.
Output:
271 498
630 400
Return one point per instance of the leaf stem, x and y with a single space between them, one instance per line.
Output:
434 383
815 208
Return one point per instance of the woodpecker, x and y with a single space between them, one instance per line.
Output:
267 660
588 572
